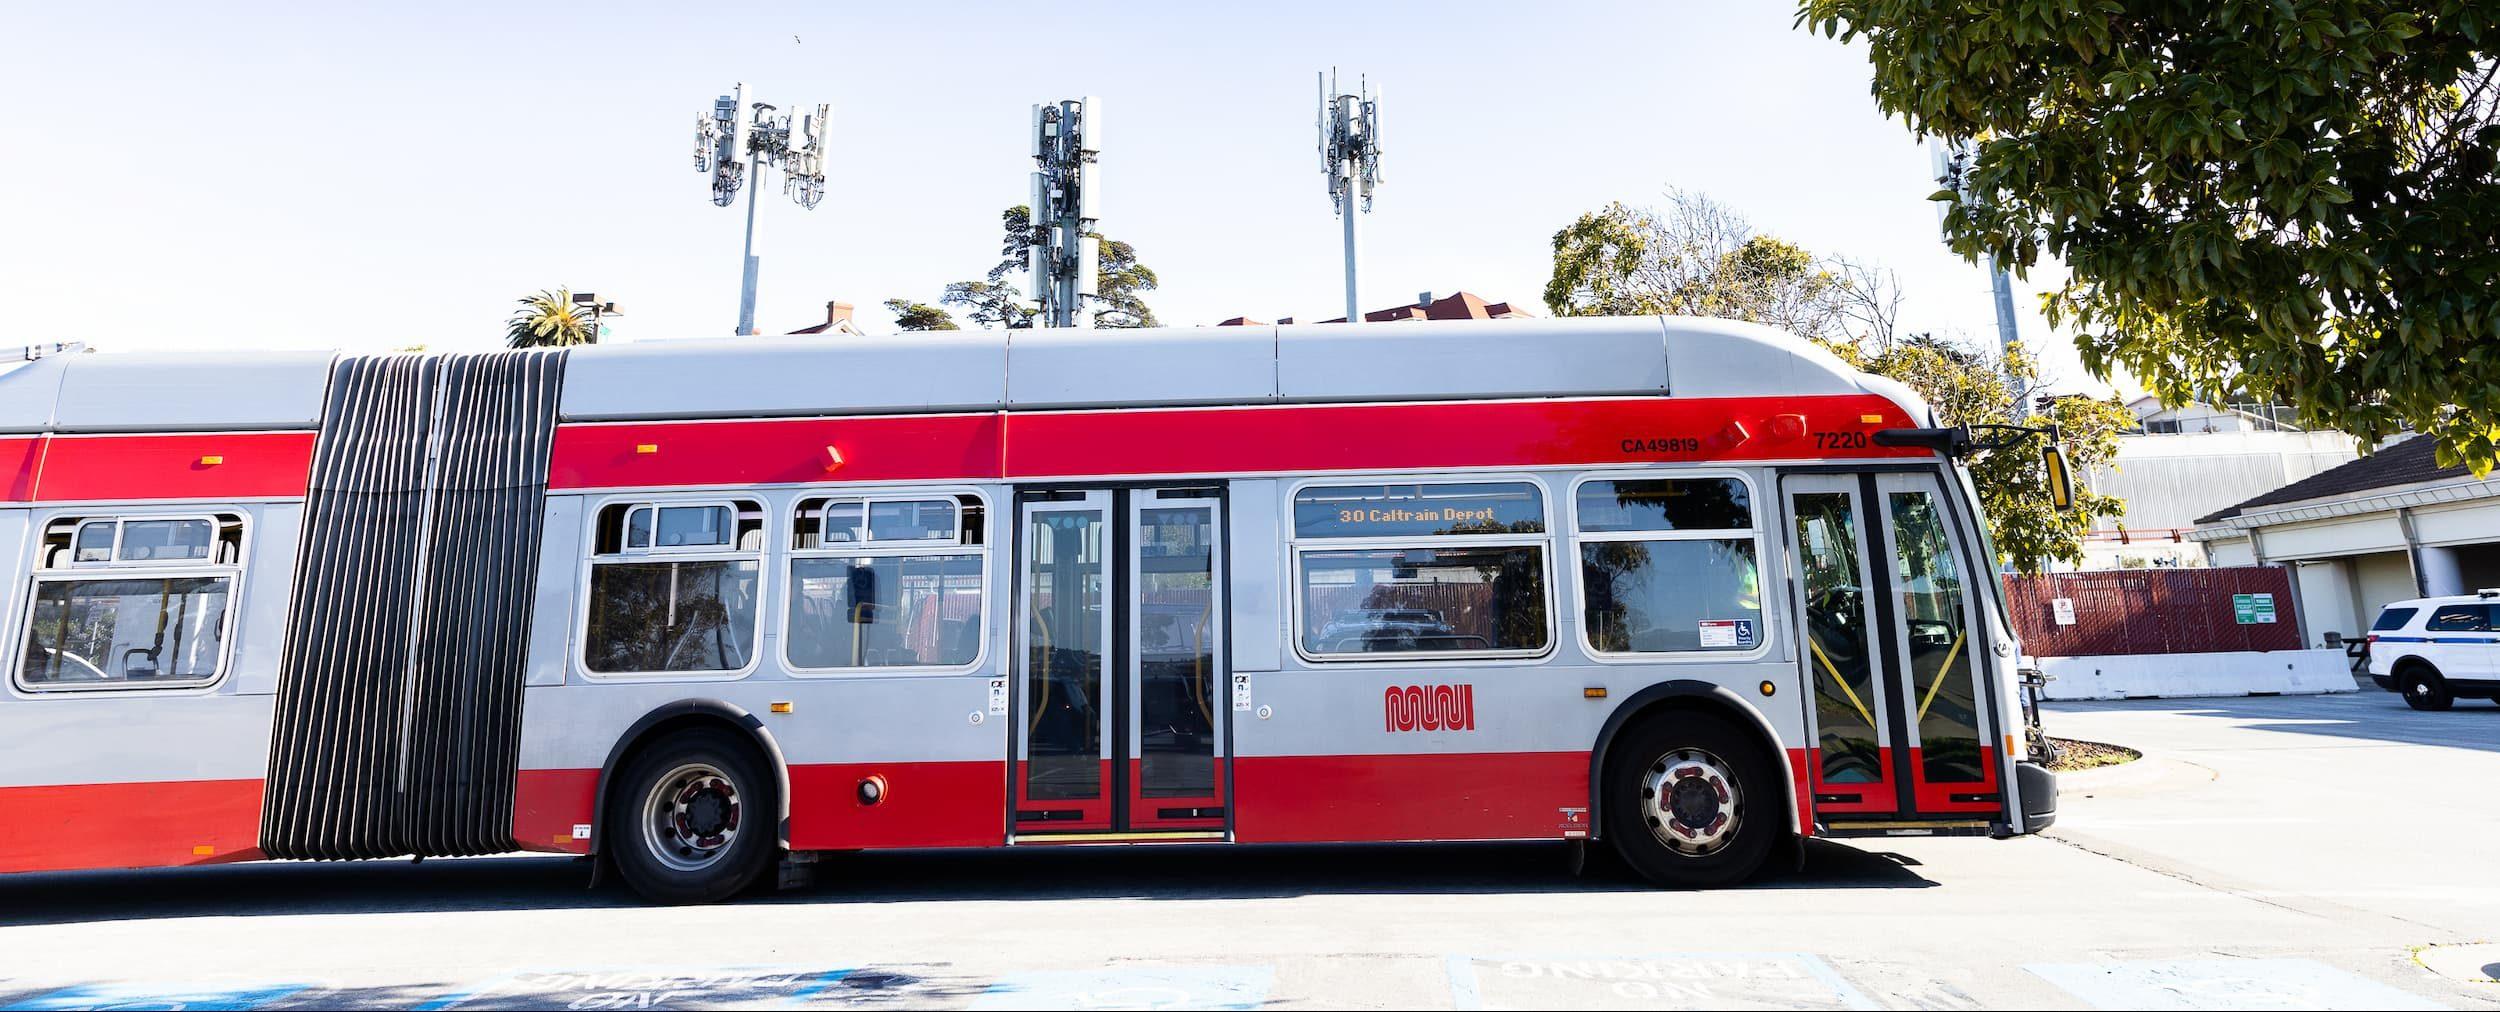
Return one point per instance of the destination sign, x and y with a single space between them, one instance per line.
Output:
1373 511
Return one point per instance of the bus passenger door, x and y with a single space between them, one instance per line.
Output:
1120 618
1890 645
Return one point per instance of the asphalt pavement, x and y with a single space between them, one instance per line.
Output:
2290 852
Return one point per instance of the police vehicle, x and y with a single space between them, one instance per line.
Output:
2435 649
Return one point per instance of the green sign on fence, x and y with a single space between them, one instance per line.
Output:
2253 609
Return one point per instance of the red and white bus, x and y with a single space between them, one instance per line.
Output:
1695 589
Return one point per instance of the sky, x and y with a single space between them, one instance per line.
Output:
371 177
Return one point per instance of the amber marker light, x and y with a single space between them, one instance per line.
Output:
784 706
647 448
1593 692
212 460
1768 688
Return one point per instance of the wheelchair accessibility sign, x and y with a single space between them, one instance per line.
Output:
1735 633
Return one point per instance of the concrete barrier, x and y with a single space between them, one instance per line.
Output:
2236 673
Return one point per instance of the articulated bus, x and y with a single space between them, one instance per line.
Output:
1691 589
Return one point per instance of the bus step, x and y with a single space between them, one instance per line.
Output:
1906 827
1158 836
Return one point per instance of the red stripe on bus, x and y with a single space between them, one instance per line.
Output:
1434 435
547 804
224 465
926 804
19 457
137 825
1222 440
653 454
1373 798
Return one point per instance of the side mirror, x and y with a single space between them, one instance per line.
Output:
2061 477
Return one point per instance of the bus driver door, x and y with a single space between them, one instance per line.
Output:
1888 599
1121 728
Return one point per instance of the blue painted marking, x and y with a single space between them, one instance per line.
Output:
2196 984
157 996
1643 971
1139 987
654 986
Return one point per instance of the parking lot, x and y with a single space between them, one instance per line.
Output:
2294 852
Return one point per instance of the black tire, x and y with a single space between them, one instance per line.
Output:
2423 687
658 845
1727 772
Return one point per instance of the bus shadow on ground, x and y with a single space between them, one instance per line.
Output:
1144 873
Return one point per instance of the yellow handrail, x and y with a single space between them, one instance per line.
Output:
1839 681
1941 671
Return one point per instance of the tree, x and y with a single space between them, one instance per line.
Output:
995 301
1696 257
1967 386
550 320
909 315
2256 200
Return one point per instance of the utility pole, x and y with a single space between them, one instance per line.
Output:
1952 162
719 147
1065 259
1349 152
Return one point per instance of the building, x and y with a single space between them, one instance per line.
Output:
2185 462
2386 527
837 321
1457 306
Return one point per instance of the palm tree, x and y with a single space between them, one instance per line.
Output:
550 320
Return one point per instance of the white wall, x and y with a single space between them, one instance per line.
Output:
2231 552
2236 673
2379 579
2326 589
2170 480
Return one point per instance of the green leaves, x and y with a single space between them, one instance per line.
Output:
2253 197
549 319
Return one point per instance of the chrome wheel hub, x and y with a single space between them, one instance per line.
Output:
691 817
1691 803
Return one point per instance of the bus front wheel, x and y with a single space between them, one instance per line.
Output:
1691 801
691 818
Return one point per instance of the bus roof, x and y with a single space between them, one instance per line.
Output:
993 370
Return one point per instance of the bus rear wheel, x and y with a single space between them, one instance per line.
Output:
691 818
1691 801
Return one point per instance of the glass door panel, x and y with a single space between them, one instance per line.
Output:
1176 636
1953 768
1063 779
1853 769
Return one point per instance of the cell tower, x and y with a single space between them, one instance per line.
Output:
1065 257
1349 152
718 146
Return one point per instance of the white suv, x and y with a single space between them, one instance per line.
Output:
2435 649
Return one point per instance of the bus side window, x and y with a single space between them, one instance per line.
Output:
1668 565
1440 568
131 602
674 587
886 582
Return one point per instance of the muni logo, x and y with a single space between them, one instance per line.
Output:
1429 708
